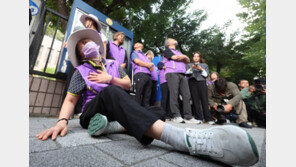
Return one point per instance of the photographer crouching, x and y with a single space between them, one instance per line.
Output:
256 103
226 102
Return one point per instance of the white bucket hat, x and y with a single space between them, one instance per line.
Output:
93 17
75 37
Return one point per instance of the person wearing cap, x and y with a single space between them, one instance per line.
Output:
154 78
165 94
175 63
92 21
142 69
105 100
115 50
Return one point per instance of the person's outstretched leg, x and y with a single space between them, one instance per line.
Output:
228 144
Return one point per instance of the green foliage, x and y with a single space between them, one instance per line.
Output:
155 20
254 45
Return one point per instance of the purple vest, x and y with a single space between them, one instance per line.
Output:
143 58
154 76
162 76
94 88
117 52
174 66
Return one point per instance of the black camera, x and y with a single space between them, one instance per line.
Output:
220 108
259 85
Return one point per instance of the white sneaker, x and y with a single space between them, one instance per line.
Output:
211 122
228 144
178 120
193 121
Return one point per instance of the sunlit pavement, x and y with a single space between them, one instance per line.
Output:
77 148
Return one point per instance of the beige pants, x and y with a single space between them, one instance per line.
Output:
241 111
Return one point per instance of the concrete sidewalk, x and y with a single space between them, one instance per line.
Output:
77 148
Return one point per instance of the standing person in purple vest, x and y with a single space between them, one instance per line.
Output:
92 21
198 71
142 68
175 63
103 94
115 50
154 78
165 94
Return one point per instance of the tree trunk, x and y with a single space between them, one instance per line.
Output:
64 10
219 66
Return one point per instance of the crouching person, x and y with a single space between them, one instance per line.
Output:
103 94
226 101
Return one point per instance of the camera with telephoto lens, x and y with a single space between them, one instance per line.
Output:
220 108
259 85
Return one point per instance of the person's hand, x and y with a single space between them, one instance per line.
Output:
215 107
61 127
64 45
123 65
150 69
163 67
174 57
252 89
192 67
150 65
102 77
263 91
228 108
199 67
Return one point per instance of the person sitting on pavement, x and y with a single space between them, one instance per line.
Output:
175 63
224 97
115 50
256 103
198 71
104 94
154 78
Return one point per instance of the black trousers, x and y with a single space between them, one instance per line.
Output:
165 100
153 93
143 88
117 105
199 94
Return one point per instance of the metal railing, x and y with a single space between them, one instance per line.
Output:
48 16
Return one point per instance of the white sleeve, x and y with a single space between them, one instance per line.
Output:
104 38
204 73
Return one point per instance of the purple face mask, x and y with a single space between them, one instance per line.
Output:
91 50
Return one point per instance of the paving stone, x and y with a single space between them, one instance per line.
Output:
86 156
32 98
35 127
130 151
36 145
31 109
37 110
40 99
44 85
55 101
59 88
35 84
45 110
187 160
155 162
51 86
162 145
115 137
30 81
77 139
48 100
53 111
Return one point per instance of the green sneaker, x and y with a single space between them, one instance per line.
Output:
228 144
97 125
